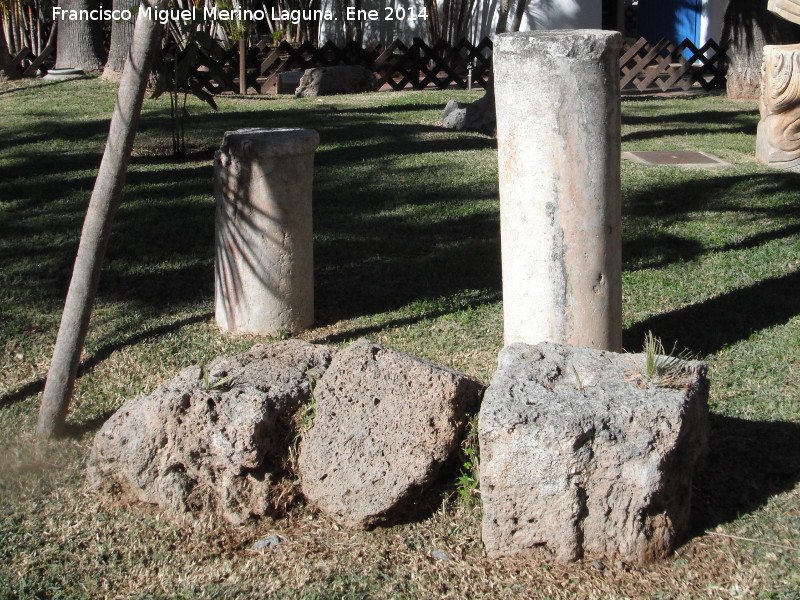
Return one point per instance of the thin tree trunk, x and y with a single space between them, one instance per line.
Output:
7 70
434 28
7 39
78 41
16 44
97 228
519 12
243 66
502 21
26 28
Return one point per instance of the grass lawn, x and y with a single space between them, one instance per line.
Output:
406 253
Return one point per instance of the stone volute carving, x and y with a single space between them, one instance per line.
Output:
788 9
778 137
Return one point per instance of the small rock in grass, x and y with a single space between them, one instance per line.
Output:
270 541
440 555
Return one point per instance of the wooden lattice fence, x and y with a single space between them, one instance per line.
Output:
397 66
665 67
644 67
27 63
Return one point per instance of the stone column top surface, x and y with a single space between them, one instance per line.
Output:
788 9
269 142
560 42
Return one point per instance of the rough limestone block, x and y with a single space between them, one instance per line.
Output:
578 455
385 422
340 79
186 447
474 116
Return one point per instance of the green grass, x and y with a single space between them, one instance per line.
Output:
406 253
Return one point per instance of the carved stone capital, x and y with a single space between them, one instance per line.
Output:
788 9
778 138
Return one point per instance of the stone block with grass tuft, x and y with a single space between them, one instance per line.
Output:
580 454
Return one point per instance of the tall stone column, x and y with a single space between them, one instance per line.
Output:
558 140
264 281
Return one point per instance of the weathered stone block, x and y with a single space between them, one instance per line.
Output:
385 422
579 456
340 79
201 443
788 9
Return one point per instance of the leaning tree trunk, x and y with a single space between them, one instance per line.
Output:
97 227
121 37
749 26
78 44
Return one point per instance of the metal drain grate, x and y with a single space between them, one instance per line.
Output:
678 158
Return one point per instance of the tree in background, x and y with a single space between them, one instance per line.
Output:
7 70
121 38
748 27
449 23
503 23
481 115
25 24
78 44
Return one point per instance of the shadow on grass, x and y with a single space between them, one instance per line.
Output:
748 463
706 327
756 198
76 431
655 134
48 83
700 117
365 261
34 387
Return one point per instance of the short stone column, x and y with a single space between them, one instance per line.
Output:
777 142
558 139
264 281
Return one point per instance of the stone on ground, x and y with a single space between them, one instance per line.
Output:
479 115
580 455
340 79
213 442
385 422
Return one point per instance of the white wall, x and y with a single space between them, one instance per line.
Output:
712 20
540 14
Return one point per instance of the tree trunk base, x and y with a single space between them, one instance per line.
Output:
111 75
741 89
